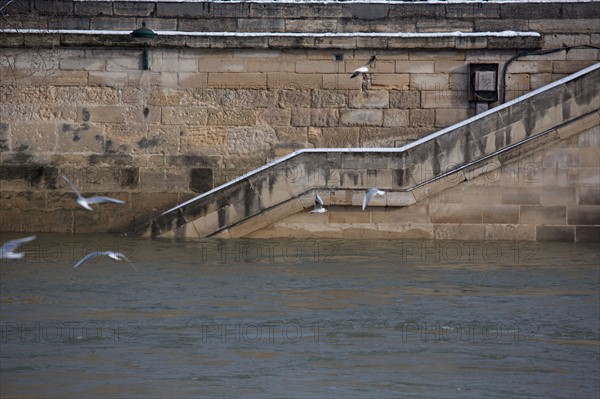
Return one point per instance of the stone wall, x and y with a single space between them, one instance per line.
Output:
484 179
213 107
552 194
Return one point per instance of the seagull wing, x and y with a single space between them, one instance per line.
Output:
11 245
370 193
358 71
318 202
72 185
119 256
89 256
100 200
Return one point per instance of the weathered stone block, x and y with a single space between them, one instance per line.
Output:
415 67
405 99
501 214
374 99
301 117
294 98
113 114
557 196
362 117
403 199
369 11
324 117
221 65
521 195
231 117
310 25
555 233
509 232
277 80
202 139
543 215
583 176
33 137
422 117
445 98
583 215
314 66
459 232
455 213
293 42
329 99
450 116
390 81
80 138
237 80
425 55
587 233
184 115
395 117
588 195
261 25
274 117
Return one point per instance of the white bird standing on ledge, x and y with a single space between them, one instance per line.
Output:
85 202
364 68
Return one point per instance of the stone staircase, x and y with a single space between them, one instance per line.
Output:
274 200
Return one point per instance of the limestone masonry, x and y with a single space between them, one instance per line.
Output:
233 85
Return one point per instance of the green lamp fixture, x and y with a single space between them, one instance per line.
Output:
145 35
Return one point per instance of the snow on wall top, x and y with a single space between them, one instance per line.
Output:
356 1
507 33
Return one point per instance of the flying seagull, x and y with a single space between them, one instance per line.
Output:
111 254
85 202
370 194
6 250
364 68
318 205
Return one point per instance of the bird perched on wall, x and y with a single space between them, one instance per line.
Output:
318 205
364 68
111 254
370 194
85 202
7 249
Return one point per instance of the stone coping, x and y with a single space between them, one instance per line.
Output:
48 38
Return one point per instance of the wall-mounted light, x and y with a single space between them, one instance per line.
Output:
145 35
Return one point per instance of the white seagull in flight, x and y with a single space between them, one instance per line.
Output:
318 205
370 194
111 254
364 68
6 250
85 202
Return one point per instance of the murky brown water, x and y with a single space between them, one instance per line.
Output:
300 319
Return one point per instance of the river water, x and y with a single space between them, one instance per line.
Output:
300 319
